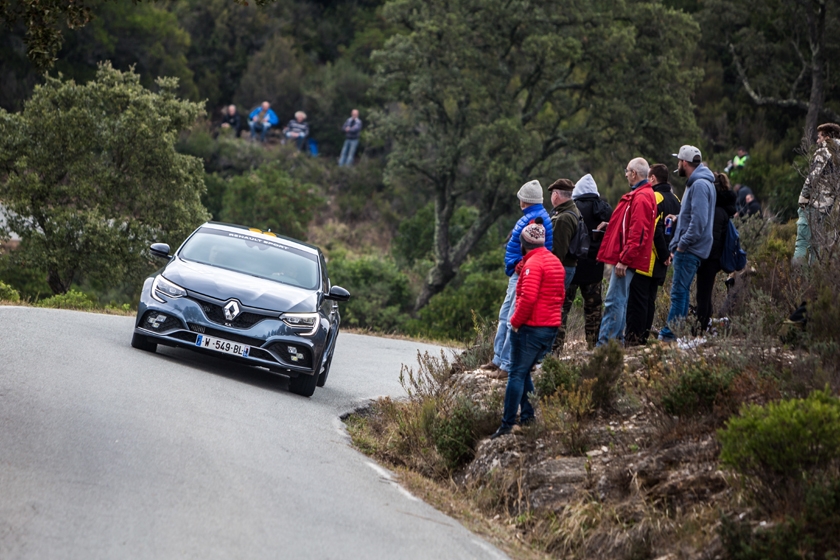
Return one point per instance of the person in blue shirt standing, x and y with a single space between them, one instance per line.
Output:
692 240
530 197
352 130
261 119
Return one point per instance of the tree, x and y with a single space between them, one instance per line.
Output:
89 176
270 199
490 93
780 50
44 20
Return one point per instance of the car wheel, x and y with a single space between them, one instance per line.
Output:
303 385
322 379
142 343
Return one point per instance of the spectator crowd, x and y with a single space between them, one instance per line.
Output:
550 256
262 119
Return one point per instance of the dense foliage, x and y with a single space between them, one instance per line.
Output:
89 176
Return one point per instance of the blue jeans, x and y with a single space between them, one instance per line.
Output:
347 152
570 274
615 308
262 128
685 268
501 344
528 346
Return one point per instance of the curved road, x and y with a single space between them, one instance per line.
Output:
110 452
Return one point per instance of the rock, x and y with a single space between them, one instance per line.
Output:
553 483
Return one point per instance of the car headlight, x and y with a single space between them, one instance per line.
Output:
301 321
163 287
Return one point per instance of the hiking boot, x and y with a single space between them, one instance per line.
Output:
498 374
502 431
489 366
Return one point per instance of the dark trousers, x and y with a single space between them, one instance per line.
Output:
706 275
591 294
641 306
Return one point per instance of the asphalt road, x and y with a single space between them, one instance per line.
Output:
111 452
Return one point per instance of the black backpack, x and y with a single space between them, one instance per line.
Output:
579 245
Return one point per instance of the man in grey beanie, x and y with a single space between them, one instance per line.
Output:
530 197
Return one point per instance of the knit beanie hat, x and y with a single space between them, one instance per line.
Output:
531 192
533 234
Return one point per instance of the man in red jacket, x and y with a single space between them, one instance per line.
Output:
539 298
627 245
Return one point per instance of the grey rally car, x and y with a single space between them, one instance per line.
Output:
247 295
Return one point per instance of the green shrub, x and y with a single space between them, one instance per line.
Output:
480 350
556 376
454 434
813 532
604 368
270 199
782 442
479 289
70 300
7 293
696 389
381 297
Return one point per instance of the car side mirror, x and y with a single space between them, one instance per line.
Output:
337 293
160 250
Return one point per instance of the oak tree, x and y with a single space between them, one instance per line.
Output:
89 176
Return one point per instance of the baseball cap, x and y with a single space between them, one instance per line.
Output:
689 154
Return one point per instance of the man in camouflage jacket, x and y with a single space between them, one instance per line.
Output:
820 189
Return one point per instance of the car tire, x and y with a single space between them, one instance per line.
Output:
322 379
142 343
303 385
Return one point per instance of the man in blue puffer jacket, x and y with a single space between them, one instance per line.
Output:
692 240
530 197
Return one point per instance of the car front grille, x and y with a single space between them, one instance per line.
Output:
216 314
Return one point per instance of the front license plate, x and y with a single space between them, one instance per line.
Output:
222 345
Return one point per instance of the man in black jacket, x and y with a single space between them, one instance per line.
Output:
589 274
231 119
641 303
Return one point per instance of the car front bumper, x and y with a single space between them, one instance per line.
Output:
270 339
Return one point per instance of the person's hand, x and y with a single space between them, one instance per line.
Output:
673 217
668 262
514 329
602 225
621 270
225 125
680 250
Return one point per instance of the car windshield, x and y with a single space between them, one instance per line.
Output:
254 255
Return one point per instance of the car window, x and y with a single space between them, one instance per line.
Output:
241 252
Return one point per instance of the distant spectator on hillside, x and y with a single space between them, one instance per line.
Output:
298 130
352 130
261 119
751 208
232 120
742 192
736 165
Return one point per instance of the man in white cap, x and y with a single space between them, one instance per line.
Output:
692 240
530 197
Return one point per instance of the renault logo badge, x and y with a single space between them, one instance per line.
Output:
231 310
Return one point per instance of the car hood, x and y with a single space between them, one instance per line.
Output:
251 291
